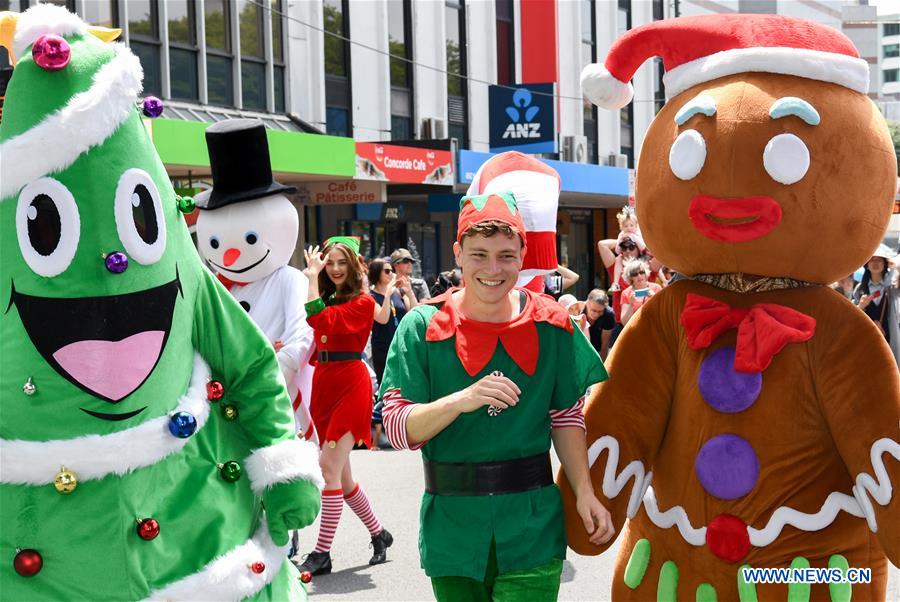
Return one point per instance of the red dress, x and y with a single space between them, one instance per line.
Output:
342 391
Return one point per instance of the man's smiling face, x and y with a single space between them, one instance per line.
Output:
765 174
490 265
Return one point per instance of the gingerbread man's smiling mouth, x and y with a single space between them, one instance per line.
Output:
734 220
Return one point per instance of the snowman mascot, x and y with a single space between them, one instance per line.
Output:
247 231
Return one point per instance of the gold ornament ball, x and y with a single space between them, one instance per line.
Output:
229 412
65 481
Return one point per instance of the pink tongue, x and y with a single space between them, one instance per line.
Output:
112 368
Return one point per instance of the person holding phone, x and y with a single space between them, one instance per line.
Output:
637 273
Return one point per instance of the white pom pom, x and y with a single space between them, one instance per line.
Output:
604 90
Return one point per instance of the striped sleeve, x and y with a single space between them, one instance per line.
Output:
570 417
394 413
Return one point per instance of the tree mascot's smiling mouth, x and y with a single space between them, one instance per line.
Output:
106 346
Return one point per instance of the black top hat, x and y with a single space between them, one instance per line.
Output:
241 169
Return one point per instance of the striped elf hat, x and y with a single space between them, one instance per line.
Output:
703 48
64 108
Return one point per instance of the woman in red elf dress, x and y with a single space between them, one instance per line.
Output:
341 315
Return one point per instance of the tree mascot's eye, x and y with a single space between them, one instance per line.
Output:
687 155
48 226
786 158
139 217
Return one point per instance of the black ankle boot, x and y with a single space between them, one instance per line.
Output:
317 563
380 544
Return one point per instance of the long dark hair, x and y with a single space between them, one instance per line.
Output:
863 287
352 286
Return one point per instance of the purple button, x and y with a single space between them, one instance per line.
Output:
727 467
723 387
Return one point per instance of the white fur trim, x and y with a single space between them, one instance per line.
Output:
831 67
604 90
229 577
93 457
86 121
282 462
43 19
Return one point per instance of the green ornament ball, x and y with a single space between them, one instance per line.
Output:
230 471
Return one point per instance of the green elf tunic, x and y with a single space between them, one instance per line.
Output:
436 352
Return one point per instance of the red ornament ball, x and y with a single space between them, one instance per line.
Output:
214 390
727 537
51 52
305 577
148 529
258 567
28 563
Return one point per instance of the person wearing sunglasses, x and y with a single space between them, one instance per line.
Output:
630 247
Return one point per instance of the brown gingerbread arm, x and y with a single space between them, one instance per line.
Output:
859 389
626 417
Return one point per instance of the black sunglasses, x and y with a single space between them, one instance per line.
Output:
629 247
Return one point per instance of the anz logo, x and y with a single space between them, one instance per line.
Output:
521 114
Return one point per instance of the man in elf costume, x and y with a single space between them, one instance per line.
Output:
144 424
480 380
765 429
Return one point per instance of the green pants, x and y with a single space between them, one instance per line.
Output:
539 584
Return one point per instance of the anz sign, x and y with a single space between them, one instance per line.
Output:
523 118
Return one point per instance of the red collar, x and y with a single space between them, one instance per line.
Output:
229 283
477 341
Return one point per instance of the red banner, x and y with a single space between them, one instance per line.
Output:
403 164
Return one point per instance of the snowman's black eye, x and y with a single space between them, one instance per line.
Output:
251 238
214 242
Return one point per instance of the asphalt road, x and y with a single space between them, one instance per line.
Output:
393 481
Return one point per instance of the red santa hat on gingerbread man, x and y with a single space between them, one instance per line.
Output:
703 48
535 186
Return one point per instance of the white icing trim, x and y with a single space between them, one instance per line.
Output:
859 505
86 121
93 457
43 19
282 462
840 69
229 577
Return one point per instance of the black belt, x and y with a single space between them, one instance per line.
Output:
488 478
339 356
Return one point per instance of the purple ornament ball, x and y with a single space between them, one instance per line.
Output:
152 107
116 262
51 52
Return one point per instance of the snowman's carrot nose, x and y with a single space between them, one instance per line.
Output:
231 255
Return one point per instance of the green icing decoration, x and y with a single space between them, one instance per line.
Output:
799 592
840 592
637 563
706 593
667 589
746 591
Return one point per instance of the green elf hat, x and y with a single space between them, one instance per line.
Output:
71 91
350 241
495 207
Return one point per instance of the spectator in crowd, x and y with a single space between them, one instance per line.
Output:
601 321
391 304
630 250
845 286
873 294
639 290
445 281
556 282
402 260
576 310
894 311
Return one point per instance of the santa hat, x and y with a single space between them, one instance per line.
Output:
703 48
501 207
535 186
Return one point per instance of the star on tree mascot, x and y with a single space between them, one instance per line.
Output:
752 415
148 449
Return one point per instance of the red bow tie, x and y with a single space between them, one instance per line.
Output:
229 283
763 330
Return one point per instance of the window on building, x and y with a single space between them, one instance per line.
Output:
589 55
338 115
253 55
506 43
181 15
278 54
891 50
400 45
104 13
219 75
626 114
455 35
658 10
143 38
659 86
891 29
891 75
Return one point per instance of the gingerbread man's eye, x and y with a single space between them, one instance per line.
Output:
687 155
786 158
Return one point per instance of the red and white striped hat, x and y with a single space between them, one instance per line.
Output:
703 48
536 187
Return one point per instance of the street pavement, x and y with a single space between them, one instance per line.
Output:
393 480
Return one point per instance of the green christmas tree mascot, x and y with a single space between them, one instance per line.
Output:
147 446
